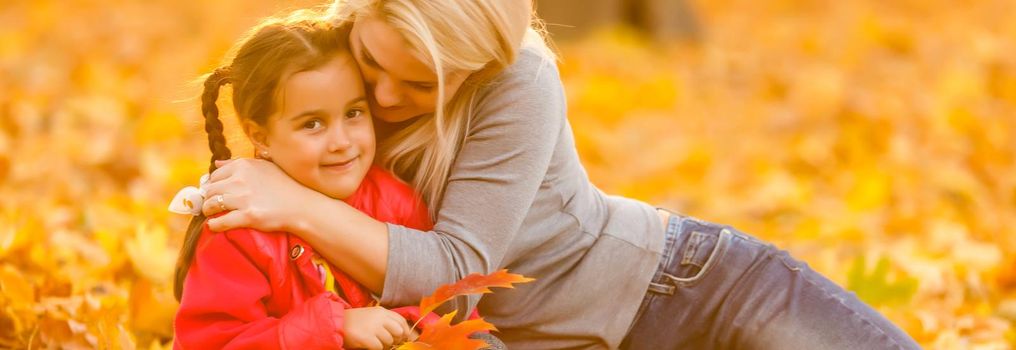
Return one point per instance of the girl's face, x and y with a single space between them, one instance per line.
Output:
399 86
322 134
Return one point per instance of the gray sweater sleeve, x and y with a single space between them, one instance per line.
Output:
501 165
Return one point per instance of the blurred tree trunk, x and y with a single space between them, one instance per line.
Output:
662 20
571 19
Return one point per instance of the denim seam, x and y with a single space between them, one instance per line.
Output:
748 239
671 235
838 300
717 254
666 254
671 238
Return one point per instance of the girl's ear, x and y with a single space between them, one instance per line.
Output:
257 134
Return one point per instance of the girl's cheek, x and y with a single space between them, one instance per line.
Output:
310 151
294 153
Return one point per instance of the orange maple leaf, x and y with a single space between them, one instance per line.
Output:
472 284
445 336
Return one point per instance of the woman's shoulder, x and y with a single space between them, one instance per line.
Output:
527 93
532 68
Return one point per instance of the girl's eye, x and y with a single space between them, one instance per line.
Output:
353 113
312 124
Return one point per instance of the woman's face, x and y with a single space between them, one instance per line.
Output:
322 134
399 86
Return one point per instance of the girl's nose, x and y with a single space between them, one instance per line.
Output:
338 139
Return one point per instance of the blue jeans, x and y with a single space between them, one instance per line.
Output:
717 288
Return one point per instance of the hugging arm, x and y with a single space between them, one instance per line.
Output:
259 195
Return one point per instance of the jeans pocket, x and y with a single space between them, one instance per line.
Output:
698 254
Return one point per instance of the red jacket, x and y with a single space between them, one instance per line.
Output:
250 289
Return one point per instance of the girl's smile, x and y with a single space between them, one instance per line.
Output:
341 166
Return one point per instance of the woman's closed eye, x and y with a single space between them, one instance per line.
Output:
369 60
422 87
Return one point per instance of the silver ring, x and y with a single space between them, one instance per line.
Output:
222 204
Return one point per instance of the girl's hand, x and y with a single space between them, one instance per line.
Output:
374 328
257 194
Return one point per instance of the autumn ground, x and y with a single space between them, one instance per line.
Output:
875 140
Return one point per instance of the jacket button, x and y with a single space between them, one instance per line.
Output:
295 252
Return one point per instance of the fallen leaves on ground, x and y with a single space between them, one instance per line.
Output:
837 130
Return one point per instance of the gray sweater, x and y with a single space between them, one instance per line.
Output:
518 198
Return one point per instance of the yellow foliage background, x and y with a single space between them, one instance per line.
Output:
872 139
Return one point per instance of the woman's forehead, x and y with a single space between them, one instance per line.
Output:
383 44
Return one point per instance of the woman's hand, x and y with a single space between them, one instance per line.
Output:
374 328
257 194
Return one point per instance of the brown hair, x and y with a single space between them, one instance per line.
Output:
267 56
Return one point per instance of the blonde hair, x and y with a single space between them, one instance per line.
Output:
270 53
479 36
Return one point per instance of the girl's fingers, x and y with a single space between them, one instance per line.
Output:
385 336
373 344
404 329
407 330
395 329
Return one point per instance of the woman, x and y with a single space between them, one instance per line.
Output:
476 121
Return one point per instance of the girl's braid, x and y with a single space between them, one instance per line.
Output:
213 126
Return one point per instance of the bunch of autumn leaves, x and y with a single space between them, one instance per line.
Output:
443 334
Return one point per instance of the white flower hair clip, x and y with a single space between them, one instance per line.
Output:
189 199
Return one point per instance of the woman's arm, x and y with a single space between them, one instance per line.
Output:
347 238
265 198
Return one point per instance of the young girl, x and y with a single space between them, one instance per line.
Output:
300 99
